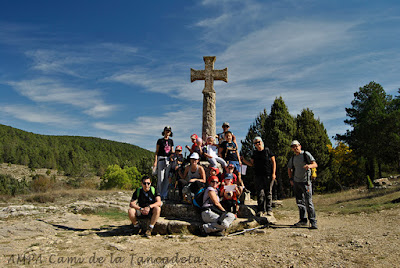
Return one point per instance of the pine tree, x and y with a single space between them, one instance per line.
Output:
279 129
313 137
367 116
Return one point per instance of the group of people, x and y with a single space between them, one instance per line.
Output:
221 191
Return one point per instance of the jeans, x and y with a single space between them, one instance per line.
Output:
213 161
163 168
303 194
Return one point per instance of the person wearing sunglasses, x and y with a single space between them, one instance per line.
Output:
145 203
299 171
216 219
263 161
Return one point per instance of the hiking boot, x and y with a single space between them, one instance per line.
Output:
135 229
314 225
148 233
301 223
203 232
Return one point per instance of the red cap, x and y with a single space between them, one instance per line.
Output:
216 169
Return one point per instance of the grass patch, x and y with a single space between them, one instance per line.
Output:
63 196
112 214
352 201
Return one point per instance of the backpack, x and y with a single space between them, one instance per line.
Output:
152 189
307 161
198 199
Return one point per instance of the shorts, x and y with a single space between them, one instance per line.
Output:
236 165
139 215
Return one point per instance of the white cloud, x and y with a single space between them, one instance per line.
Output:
145 130
39 115
83 60
43 90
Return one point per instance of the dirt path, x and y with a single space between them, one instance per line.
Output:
72 240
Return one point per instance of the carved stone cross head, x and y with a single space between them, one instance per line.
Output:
209 74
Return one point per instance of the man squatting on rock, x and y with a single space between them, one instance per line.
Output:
300 178
145 203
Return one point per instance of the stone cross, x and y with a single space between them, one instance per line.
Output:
209 108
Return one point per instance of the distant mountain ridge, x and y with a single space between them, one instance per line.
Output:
71 154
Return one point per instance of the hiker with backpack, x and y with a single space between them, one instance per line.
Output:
145 203
299 171
264 164
214 216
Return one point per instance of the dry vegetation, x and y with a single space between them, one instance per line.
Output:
357 228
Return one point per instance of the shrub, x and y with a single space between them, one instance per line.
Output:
116 177
11 186
41 183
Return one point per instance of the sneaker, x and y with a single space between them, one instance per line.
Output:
270 213
314 225
301 223
148 233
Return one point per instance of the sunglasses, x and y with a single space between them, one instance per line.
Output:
214 181
146 183
257 142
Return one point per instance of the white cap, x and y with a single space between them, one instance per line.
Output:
194 156
295 142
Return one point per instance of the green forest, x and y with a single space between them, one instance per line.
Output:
369 150
71 154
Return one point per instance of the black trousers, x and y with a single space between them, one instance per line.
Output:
264 193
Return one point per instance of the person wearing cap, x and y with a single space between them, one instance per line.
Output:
221 136
164 149
214 171
229 198
299 171
196 146
230 170
216 219
194 174
263 161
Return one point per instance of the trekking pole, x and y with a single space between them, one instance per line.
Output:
248 230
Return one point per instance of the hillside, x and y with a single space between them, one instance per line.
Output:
70 154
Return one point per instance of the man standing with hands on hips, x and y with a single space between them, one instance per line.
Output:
299 171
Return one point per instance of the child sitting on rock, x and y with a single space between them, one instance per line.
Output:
210 151
229 197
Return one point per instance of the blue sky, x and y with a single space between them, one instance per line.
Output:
120 70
